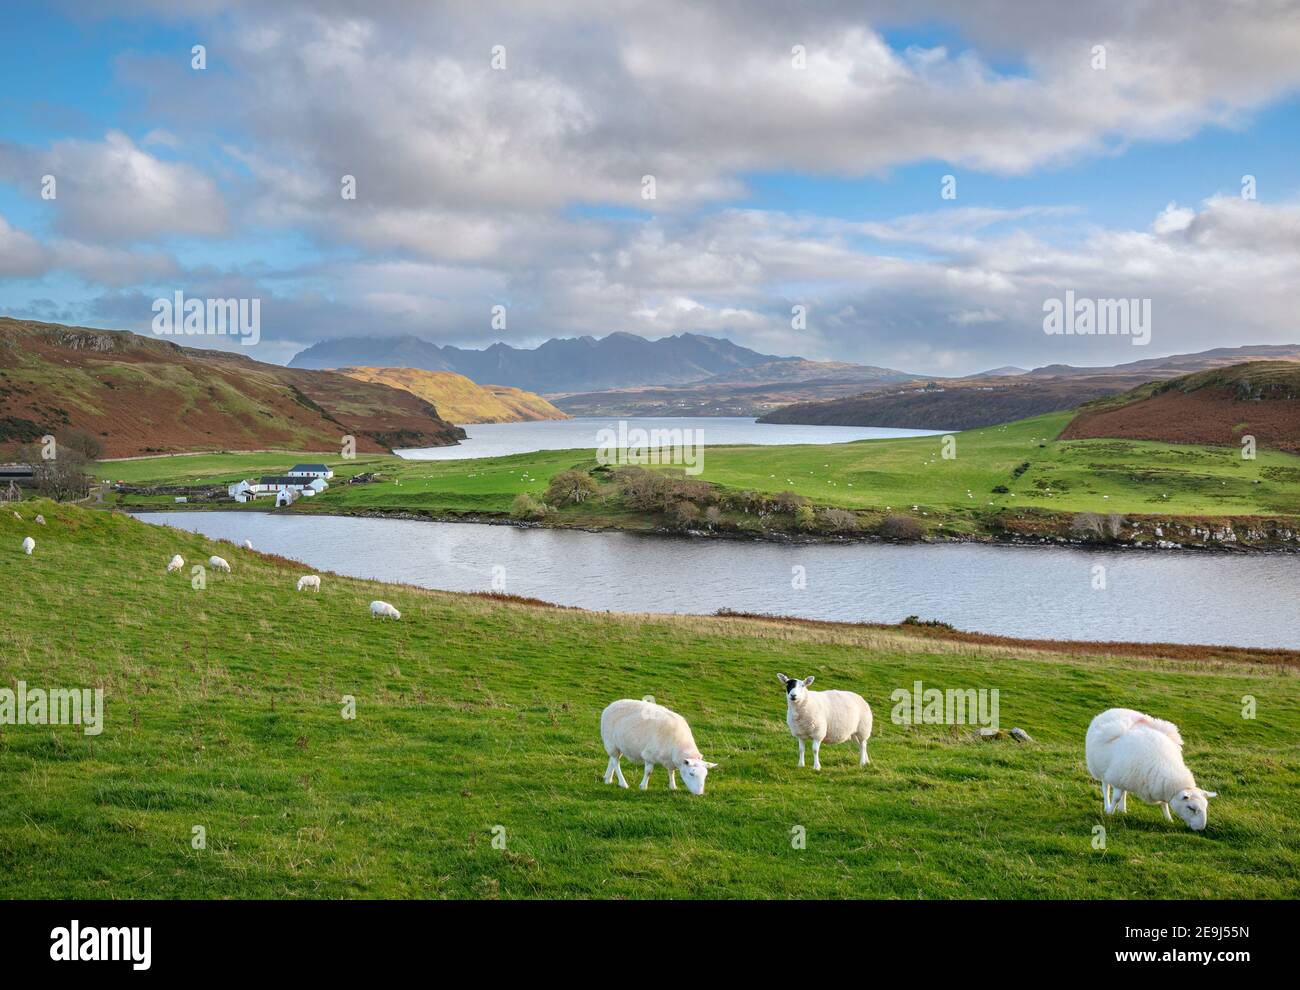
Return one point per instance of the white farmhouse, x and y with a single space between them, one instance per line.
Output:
310 471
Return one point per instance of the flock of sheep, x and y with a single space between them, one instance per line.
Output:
308 582
1126 751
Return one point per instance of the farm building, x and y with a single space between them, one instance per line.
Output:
274 485
311 471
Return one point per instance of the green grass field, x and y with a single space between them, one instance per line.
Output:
478 718
1104 476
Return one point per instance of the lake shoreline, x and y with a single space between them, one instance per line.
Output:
760 536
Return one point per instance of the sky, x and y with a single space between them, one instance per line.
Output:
904 184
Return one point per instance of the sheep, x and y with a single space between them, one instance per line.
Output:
825 716
1130 752
40 520
655 735
175 564
219 564
309 581
248 544
384 610
28 546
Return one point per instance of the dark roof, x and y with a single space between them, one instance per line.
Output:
309 467
280 479
16 471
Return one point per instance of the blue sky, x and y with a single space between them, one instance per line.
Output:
817 186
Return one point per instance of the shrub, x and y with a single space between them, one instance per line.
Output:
713 517
1000 489
526 507
571 486
805 517
900 527
839 520
684 514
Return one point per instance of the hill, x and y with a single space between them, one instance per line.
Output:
143 395
574 364
478 718
1179 364
460 400
1216 407
947 404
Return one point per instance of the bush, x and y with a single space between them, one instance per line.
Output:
526 507
571 486
713 517
805 517
916 620
1000 489
899 527
839 520
684 514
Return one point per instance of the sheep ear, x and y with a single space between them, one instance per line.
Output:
807 681
711 766
782 678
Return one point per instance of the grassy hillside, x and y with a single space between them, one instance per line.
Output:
223 710
460 400
873 477
142 395
1219 406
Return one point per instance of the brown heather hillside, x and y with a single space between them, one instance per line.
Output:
460 400
1216 407
142 395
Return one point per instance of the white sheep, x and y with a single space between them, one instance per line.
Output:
175 564
248 544
40 520
1130 752
219 564
384 611
28 546
654 735
825 716
309 581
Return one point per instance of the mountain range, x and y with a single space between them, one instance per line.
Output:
590 364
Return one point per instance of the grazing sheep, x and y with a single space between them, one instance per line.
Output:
384 611
653 734
1130 752
825 716
248 544
219 564
28 546
40 520
175 564
309 581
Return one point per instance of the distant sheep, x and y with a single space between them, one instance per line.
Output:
1130 752
309 581
17 516
40 520
219 564
383 610
655 736
28 546
175 564
248 544
825 716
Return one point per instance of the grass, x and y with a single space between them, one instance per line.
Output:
1063 477
223 710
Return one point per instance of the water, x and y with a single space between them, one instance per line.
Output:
498 439
1035 592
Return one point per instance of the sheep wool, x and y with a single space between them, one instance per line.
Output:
825 716
1129 752
654 736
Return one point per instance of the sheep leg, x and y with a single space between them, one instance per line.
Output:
645 781
817 762
672 778
865 758
1107 807
618 771
609 770
800 752
1123 801
1168 816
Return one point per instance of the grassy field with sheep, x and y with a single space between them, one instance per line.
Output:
473 766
